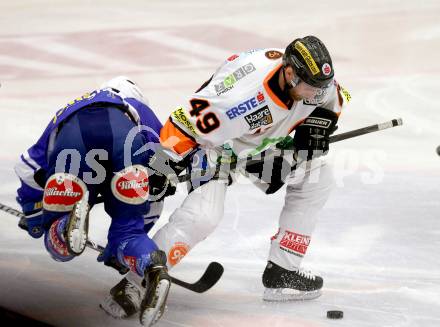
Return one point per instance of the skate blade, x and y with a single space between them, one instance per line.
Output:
288 294
149 316
78 224
77 241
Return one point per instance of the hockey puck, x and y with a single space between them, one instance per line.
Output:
335 314
438 150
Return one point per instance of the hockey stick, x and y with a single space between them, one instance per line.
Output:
276 152
210 277
366 130
215 270
335 138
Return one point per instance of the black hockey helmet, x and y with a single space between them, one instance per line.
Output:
311 61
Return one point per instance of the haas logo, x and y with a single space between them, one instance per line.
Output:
131 185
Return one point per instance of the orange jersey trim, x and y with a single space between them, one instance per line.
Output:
172 137
269 91
296 125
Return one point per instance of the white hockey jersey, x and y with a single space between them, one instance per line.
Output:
240 104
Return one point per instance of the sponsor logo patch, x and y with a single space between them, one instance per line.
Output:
307 57
294 243
317 122
273 54
177 252
180 116
344 93
229 81
326 69
62 191
259 118
130 262
131 185
245 106
233 57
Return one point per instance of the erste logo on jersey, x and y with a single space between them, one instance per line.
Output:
230 80
62 191
246 106
131 185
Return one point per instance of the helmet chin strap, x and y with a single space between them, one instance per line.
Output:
291 84
288 90
288 84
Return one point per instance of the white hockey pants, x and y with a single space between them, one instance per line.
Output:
306 193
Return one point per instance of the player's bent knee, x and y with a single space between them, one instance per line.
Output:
198 222
62 191
204 207
135 253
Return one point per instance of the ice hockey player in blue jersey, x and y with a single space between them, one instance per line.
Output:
100 144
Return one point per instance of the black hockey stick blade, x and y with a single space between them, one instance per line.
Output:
212 275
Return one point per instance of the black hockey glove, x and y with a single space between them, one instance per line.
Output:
312 137
160 186
164 167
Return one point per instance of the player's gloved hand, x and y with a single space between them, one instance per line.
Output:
165 166
32 221
312 137
160 186
226 163
286 143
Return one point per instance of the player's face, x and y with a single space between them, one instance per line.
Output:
300 90
304 91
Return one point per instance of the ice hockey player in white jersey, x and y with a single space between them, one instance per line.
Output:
255 100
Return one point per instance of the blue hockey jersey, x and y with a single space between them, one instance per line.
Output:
36 157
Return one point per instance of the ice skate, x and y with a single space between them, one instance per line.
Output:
158 284
125 298
286 285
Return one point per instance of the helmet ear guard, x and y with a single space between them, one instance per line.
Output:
311 61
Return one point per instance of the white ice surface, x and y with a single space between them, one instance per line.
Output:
377 241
